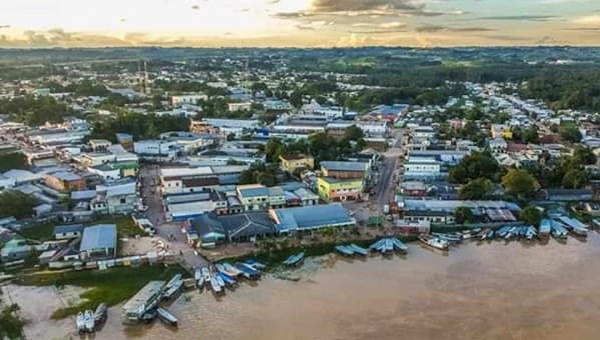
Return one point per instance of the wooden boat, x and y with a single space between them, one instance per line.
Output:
231 270
255 264
220 280
166 317
448 237
174 281
377 245
295 260
434 242
149 316
358 250
200 282
100 313
206 274
198 274
216 287
80 321
344 250
398 245
90 321
227 279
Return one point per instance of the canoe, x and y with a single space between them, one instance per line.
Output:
90 321
101 312
198 274
359 250
227 279
220 280
166 317
200 282
173 281
344 250
215 285
255 264
80 321
399 245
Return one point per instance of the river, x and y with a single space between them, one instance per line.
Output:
479 290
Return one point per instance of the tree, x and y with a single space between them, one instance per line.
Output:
353 133
12 161
570 133
16 204
531 216
473 166
584 155
519 183
463 215
575 179
476 189
296 99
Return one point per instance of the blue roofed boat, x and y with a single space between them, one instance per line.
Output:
227 279
295 260
247 271
359 250
231 270
166 317
344 250
377 245
255 264
398 245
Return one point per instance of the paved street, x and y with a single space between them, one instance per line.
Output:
388 172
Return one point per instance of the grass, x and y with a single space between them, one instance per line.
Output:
11 326
45 232
111 286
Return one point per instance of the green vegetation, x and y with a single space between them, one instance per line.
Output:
39 232
11 161
45 232
111 286
11 326
17 204
477 189
525 136
34 111
566 172
260 173
473 166
463 215
570 133
139 125
519 183
531 216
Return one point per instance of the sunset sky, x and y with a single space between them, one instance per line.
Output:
304 23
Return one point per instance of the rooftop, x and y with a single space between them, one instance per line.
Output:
312 217
343 166
99 237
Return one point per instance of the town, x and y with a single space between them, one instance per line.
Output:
221 168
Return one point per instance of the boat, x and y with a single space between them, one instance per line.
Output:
596 223
198 274
100 313
398 245
166 317
80 320
220 280
227 279
448 237
344 250
294 260
248 268
490 235
214 284
434 242
257 265
174 281
206 274
358 250
389 246
173 290
90 321
231 270
246 271
377 245
149 316
200 282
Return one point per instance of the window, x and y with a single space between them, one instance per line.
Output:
123 201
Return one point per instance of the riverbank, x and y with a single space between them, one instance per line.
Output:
111 286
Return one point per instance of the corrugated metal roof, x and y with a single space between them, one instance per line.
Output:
100 236
311 217
344 166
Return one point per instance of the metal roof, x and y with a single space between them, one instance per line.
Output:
66 176
312 217
344 166
62 229
253 191
100 236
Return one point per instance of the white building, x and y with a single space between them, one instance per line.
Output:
156 150
421 168
370 129
234 107
187 99
233 123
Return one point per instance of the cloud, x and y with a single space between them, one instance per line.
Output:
429 28
371 8
394 24
588 20
4 26
520 17
311 26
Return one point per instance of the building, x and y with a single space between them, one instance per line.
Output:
291 220
182 207
65 232
421 169
344 170
188 99
179 180
6 183
291 163
57 136
99 241
235 107
65 181
332 189
156 150
445 157
501 131
253 196
413 188
116 198
209 231
243 227
99 144
498 145
15 250
106 171
189 142
442 211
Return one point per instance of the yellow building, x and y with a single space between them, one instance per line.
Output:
331 189
501 131
293 162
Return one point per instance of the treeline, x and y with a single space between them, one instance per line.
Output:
141 126
11 161
16 204
34 111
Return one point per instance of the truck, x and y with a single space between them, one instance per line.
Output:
386 209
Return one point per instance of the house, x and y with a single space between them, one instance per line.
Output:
156 150
116 198
107 172
422 169
99 144
253 196
291 220
344 170
65 181
98 242
442 211
15 250
235 107
65 232
413 188
501 131
498 145
209 231
332 189
291 163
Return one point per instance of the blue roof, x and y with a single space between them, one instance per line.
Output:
344 166
66 176
100 236
62 229
83 195
254 192
312 217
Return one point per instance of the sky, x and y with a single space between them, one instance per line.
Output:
298 23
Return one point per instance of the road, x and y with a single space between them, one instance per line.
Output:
388 172
170 232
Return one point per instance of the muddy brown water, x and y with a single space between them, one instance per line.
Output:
478 291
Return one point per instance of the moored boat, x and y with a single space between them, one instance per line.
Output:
100 313
434 242
90 321
214 284
80 321
166 317
358 249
